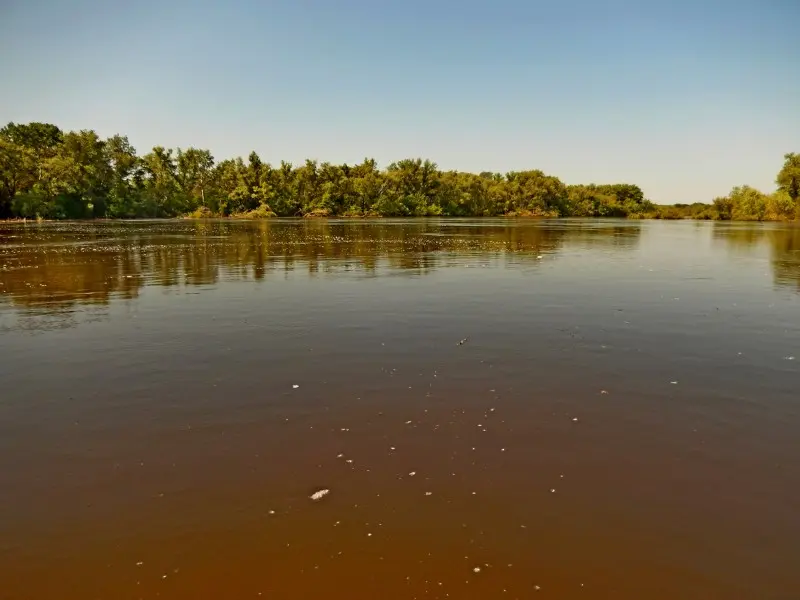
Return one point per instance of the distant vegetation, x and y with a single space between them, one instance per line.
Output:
47 173
745 203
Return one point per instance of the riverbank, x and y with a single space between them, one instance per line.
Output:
667 213
52 174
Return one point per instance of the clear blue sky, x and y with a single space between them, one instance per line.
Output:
685 98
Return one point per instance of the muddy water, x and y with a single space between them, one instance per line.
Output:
622 419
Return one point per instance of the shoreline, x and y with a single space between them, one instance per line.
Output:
382 217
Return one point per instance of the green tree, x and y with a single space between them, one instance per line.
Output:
45 172
85 192
534 193
41 138
18 172
125 178
161 195
788 179
748 204
193 170
369 185
781 207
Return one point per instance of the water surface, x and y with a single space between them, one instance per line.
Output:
621 420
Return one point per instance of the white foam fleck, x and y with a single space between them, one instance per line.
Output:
319 495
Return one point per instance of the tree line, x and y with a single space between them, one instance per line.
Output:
48 173
746 203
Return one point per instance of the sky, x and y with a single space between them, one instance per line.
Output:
684 98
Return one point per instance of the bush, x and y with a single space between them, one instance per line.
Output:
262 212
201 212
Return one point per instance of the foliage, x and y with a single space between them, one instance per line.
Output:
697 210
788 179
782 207
47 173
262 211
745 203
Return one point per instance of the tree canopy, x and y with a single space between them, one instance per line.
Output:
789 176
48 173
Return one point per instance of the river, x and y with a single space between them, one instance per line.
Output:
497 408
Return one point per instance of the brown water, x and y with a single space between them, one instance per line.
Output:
623 420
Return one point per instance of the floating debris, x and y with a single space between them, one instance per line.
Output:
428 493
462 342
476 570
295 386
319 495
575 419
412 473
603 391
674 382
789 358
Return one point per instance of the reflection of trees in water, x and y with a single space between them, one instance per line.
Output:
782 240
47 268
